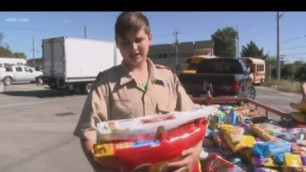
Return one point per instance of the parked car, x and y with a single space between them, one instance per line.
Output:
20 74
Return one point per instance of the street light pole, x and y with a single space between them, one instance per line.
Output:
238 46
277 48
177 66
33 49
176 56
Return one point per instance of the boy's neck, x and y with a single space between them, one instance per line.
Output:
141 72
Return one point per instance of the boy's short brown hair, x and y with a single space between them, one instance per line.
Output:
131 21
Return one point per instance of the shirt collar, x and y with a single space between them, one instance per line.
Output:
126 75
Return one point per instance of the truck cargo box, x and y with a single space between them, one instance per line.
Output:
75 62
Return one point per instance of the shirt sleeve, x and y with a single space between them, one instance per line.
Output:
94 111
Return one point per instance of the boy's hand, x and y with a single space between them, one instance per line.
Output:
190 158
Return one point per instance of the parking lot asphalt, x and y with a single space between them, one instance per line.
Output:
36 126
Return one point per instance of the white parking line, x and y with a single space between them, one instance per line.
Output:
37 102
27 87
6 97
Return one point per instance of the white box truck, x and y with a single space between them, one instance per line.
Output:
73 63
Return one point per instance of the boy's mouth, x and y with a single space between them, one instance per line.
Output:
135 55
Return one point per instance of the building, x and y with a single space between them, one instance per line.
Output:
175 55
35 62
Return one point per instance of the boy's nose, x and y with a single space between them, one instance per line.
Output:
134 46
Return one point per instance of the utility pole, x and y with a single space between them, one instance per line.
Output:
175 34
33 51
238 54
278 16
85 32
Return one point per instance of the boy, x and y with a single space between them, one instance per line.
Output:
132 89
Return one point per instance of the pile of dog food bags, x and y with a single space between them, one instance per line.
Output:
241 139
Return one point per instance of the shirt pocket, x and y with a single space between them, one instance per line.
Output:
122 111
162 107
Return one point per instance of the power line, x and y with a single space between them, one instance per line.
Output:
296 47
295 54
290 40
262 26
293 39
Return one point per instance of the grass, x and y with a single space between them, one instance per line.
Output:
284 85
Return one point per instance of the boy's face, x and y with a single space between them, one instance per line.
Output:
134 47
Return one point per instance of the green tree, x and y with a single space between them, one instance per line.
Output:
20 55
288 71
1 38
271 64
5 50
252 50
225 42
301 73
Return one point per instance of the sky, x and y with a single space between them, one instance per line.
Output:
21 28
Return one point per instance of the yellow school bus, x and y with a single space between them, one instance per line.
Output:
193 61
257 69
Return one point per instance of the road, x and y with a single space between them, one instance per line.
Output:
36 126
276 99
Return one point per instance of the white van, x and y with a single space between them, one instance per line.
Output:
11 61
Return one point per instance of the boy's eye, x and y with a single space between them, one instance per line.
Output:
138 40
125 43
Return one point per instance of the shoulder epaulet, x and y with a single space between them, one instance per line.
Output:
100 74
158 66
107 71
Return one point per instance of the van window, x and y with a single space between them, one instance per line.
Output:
193 61
19 69
214 66
26 69
260 68
6 65
252 68
8 69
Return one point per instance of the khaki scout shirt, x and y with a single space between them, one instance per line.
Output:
116 95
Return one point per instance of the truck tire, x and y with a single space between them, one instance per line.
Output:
52 86
77 89
251 92
87 87
7 80
39 81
